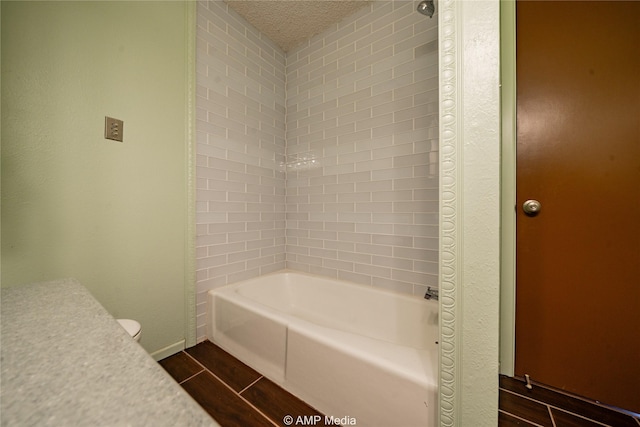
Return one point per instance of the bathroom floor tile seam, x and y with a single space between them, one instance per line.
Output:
203 369
544 407
543 417
239 394
209 375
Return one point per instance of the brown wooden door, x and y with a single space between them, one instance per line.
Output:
578 153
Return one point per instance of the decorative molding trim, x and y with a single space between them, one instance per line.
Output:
190 176
450 200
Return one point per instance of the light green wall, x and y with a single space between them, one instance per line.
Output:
110 214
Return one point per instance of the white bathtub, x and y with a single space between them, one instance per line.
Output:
348 350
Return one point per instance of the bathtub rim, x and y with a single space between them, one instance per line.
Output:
410 299
371 288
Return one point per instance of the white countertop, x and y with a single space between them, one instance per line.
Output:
65 361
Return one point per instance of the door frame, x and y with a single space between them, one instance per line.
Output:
508 187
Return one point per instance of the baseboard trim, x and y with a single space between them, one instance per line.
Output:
168 351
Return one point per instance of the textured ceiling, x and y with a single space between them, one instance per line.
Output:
288 23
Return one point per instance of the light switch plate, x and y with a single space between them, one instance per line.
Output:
113 129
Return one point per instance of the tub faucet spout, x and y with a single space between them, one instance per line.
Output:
431 293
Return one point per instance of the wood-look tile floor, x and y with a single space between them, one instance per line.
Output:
236 395
230 391
544 407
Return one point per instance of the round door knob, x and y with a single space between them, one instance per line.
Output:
531 207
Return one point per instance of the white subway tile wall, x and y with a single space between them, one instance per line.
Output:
240 152
362 150
350 189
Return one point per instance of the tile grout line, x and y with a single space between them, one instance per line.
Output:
582 400
553 420
520 418
581 416
192 376
235 392
247 387
524 396
204 368
549 406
